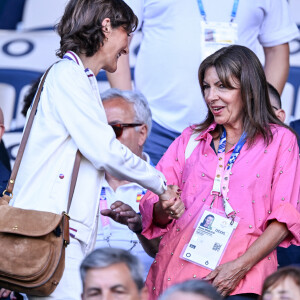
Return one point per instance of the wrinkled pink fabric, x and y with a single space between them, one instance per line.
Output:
264 185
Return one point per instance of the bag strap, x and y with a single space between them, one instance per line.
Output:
11 182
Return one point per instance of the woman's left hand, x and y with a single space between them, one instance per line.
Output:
226 277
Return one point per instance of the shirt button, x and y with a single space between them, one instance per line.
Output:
194 276
169 279
154 288
250 226
282 199
177 229
202 174
205 154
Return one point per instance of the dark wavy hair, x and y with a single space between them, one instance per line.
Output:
240 63
80 28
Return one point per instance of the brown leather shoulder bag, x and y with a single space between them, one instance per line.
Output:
32 243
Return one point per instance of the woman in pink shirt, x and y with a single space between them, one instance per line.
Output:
258 183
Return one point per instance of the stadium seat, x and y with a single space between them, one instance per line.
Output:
18 79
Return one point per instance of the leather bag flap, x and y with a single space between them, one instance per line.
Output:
27 222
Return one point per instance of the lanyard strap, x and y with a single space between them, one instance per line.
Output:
233 12
222 177
104 219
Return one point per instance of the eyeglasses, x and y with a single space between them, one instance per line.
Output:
118 128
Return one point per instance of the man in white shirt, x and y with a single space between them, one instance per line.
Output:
130 117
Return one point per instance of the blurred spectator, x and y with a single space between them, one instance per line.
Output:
296 126
110 273
282 284
191 290
171 51
290 255
129 115
275 100
4 159
29 96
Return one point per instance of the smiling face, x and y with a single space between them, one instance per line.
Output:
225 103
113 282
115 46
208 221
285 290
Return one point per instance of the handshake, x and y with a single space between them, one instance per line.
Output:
169 206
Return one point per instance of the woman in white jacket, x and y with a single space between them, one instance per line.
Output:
70 116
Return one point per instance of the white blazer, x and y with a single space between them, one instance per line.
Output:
71 116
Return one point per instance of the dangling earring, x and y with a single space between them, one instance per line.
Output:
106 39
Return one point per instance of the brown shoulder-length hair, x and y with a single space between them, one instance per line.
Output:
280 275
80 27
238 63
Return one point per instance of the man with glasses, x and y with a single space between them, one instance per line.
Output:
130 117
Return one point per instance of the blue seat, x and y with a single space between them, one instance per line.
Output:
18 79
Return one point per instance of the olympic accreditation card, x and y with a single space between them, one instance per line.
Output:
210 239
215 35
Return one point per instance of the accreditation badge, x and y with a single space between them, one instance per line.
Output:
210 239
215 35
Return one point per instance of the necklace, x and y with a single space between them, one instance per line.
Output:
230 143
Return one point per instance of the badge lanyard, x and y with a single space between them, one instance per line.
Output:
233 12
221 181
105 220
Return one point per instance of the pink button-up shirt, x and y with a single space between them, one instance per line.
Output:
264 186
